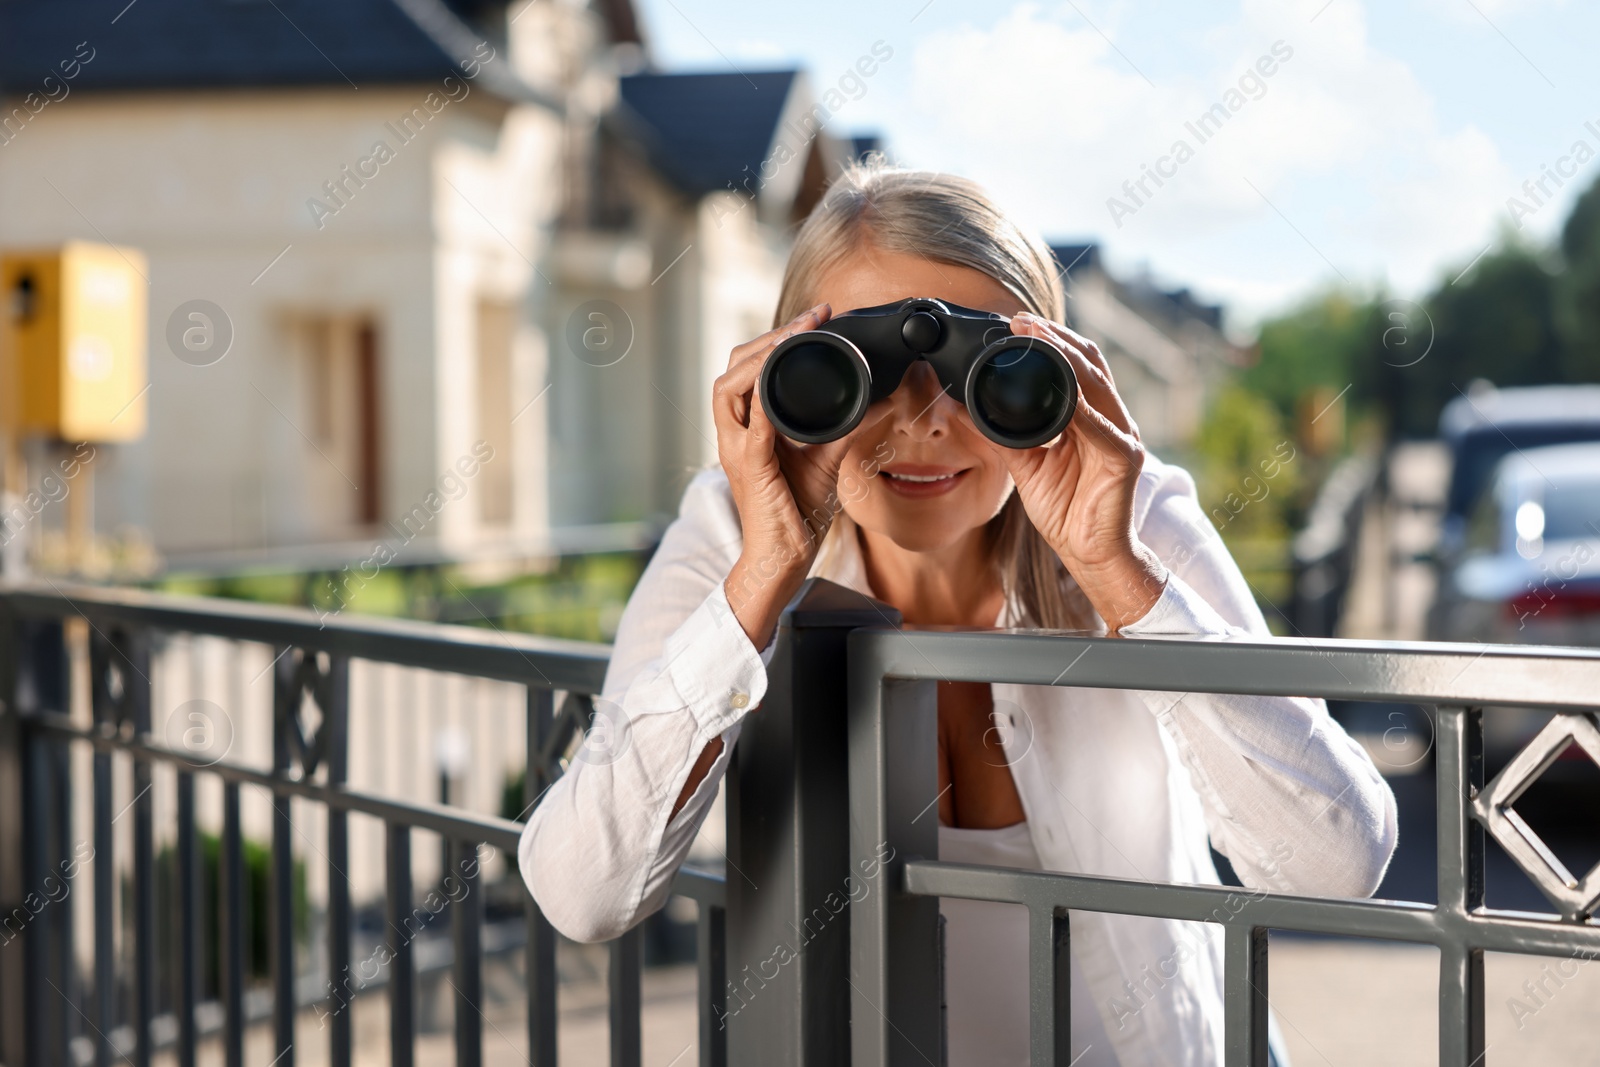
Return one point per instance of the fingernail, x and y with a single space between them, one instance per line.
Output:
1023 317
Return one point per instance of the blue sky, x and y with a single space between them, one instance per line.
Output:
1381 151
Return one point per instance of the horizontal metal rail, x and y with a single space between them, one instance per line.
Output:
1389 920
896 994
575 666
1334 668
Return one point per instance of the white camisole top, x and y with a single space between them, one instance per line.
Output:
986 964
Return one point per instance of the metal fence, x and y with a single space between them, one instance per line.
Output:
837 762
45 1003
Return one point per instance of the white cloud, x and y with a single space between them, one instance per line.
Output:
1344 140
761 51
1469 11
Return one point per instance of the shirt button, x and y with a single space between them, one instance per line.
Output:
740 700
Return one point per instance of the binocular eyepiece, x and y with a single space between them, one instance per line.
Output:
817 385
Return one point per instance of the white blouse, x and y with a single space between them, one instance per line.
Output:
1125 783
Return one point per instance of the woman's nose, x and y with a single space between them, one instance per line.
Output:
919 411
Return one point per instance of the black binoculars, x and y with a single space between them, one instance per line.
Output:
817 385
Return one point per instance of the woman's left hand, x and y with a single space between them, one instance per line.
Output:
1078 490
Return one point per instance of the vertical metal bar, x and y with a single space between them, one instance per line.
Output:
105 973
789 861
230 891
38 680
1459 778
17 857
287 695
188 919
402 969
336 720
894 937
541 935
712 959
1244 983
1049 987
466 914
136 695
49 1026
65 1024
1461 989
1459 771
622 978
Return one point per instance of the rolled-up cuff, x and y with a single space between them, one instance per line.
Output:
1179 610
714 665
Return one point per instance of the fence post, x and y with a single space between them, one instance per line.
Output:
37 1019
13 976
896 962
788 933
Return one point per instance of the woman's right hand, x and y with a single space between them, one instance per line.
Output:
785 491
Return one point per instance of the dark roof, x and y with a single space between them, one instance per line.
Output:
1175 305
196 44
864 144
1076 257
704 132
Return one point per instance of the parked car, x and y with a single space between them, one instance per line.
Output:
1528 569
1486 424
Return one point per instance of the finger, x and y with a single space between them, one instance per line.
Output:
1092 429
1068 338
760 443
808 319
1094 375
731 393
1090 350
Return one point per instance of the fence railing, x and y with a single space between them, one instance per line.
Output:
836 764
892 678
45 1002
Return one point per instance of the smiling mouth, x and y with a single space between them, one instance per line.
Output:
922 479
922 486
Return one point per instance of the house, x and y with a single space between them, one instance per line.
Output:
1167 350
407 223
697 181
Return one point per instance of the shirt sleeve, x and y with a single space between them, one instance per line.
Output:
599 852
1290 798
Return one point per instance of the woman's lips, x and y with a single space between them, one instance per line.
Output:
917 481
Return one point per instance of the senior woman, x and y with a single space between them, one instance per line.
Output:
919 509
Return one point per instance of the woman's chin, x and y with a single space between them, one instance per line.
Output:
916 534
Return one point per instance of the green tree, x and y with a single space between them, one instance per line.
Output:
1578 290
1497 322
1247 475
1318 343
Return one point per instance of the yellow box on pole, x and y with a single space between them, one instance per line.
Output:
76 338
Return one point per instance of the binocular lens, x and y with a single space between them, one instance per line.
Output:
815 388
1019 391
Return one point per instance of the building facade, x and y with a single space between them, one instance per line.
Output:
395 221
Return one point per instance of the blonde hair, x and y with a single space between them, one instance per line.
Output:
952 220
